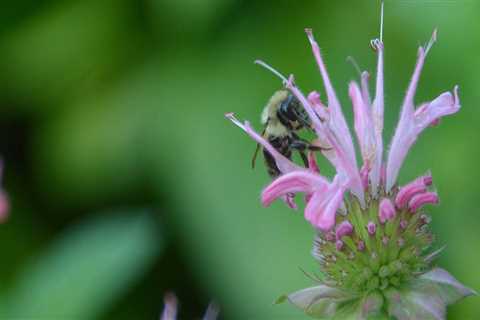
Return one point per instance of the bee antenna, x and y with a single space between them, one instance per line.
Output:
355 64
271 69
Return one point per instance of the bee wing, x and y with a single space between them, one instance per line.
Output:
257 149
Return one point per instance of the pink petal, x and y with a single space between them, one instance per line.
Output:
363 125
322 208
170 309
294 182
422 199
443 105
212 312
323 204
338 157
412 122
337 120
283 164
317 105
417 186
364 175
377 119
364 85
326 221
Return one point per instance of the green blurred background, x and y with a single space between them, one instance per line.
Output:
126 181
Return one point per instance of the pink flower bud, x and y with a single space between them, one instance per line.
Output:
371 228
386 210
361 245
422 199
339 245
343 229
364 175
417 186
385 240
329 236
404 224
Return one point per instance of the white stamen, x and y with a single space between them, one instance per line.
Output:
381 21
271 69
432 41
231 116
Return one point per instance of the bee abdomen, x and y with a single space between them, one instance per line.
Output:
282 145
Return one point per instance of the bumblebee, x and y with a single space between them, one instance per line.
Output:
282 118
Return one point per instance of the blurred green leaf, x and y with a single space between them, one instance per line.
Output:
86 269
77 45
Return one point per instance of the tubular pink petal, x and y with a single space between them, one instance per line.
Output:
427 179
317 105
170 309
283 164
406 192
402 140
364 85
386 210
408 130
314 206
443 105
337 120
405 132
314 98
312 162
326 220
363 125
294 182
422 199
364 175
339 158
317 124
377 119
343 229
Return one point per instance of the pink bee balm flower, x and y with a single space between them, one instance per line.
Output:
371 235
343 229
171 308
386 210
4 203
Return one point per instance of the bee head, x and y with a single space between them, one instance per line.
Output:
292 114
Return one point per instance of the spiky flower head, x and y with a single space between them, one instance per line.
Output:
373 241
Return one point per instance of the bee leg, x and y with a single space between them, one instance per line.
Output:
301 147
302 144
283 118
303 120
304 158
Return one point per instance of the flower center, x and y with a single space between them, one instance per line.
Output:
374 252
